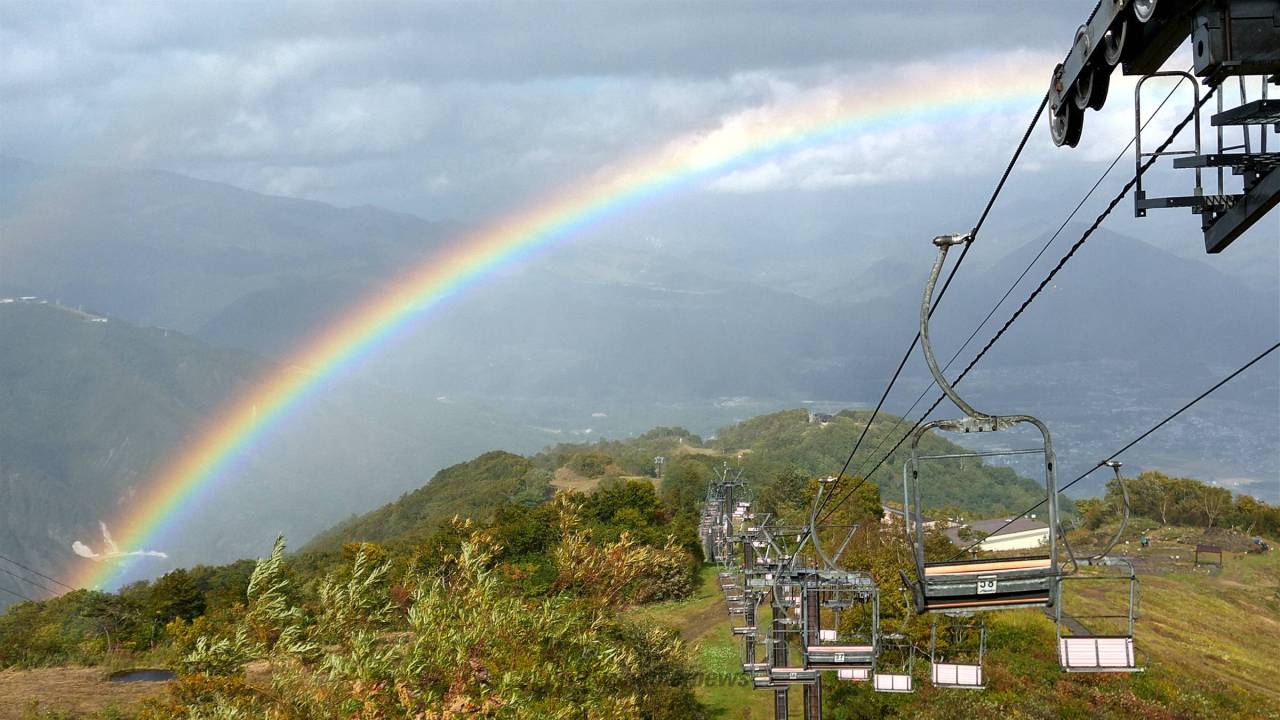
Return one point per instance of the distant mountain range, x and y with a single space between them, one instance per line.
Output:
656 334
91 408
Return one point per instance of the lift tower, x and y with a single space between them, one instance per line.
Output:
1229 39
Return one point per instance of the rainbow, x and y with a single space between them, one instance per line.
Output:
749 139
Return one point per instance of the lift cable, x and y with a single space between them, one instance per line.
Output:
16 594
1135 441
1023 275
27 580
37 572
1004 178
1043 283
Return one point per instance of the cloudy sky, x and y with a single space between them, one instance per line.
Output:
455 109
466 111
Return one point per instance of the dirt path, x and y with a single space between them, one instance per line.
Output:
69 690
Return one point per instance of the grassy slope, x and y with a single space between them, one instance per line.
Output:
703 621
1211 642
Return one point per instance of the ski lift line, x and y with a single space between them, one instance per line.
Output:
37 572
1115 201
986 210
1022 144
1135 441
28 581
896 373
1071 216
16 594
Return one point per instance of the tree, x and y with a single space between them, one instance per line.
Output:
1214 501
176 595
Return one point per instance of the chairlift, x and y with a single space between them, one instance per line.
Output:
841 620
961 634
1080 648
957 586
894 664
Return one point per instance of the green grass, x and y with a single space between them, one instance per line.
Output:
1211 643
704 622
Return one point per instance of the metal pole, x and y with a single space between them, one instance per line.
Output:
779 659
748 562
812 623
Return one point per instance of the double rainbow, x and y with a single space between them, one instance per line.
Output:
974 92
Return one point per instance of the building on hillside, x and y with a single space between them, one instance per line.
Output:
1022 534
817 418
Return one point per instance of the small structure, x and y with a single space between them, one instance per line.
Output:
1203 549
1021 534
817 418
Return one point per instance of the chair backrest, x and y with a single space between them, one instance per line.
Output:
826 635
854 674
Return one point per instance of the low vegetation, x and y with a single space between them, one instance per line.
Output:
487 594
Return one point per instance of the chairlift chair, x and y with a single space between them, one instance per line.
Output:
963 632
831 643
1080 649
969 585
894 665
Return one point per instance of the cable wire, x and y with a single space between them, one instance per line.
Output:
29 581
1135 441
1071 216
37 572
1115 201
16 594
973 234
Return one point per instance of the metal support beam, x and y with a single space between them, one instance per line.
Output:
779 659
813 701
1248 210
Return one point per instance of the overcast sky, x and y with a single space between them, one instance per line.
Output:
453 109
466 111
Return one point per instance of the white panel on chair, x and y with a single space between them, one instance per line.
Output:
889 682
825 635
953 675
854 674
1096 652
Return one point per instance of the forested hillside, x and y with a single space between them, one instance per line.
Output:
91 407
521 587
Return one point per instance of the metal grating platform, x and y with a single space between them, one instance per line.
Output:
1258 112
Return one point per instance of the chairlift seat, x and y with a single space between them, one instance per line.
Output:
854 674
998 565
891 683
794 675
996 583
955 675
745 630
755 667
826 635
1096 653
840 656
